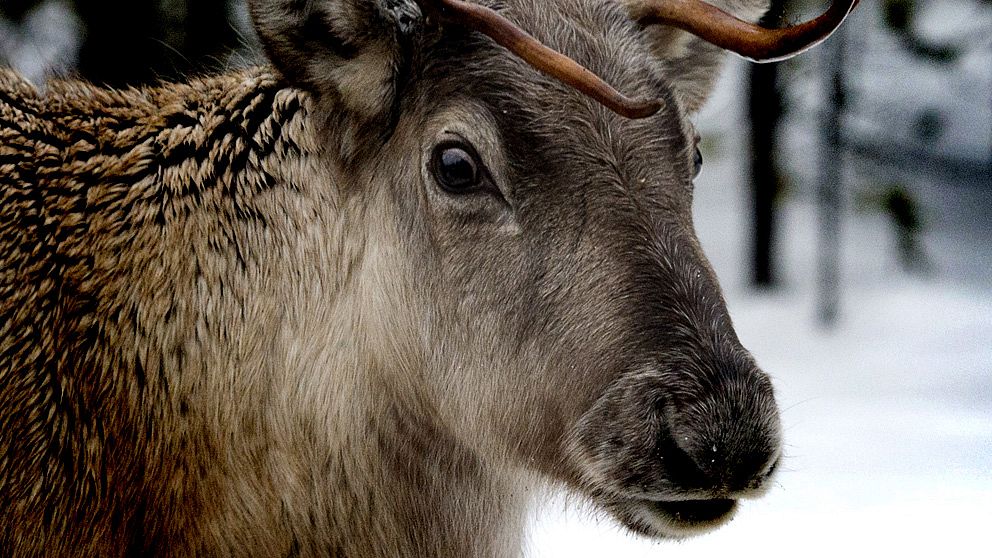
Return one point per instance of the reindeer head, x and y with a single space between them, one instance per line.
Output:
537 286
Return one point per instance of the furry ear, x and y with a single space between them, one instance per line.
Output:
692 64
351 52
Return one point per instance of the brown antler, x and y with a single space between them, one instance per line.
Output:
547 60
746 39
694 16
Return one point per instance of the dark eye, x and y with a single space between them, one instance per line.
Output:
457 168
697 162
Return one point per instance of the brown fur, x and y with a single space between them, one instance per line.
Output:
237 316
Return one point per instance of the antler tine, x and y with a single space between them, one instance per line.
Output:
746 39
541 57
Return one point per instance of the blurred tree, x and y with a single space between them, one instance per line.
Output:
899 16
765 106
830 182
39 38
130 42
906 216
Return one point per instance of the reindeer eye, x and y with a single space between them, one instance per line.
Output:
456 168
697 162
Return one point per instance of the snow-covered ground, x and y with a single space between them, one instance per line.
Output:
888 416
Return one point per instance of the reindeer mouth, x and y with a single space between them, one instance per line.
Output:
695 512
677 519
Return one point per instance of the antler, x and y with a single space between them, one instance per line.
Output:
746 39
547 60
694 16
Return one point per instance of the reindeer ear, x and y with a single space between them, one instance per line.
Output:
693 64
352 51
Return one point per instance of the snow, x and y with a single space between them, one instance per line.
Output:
887 416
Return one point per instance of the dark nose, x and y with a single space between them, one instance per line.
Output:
726 442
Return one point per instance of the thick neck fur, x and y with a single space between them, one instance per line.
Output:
188 356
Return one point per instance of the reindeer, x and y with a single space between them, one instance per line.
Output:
365 301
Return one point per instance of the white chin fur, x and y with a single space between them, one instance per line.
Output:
662 524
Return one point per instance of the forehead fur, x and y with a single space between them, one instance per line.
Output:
598 34
547 123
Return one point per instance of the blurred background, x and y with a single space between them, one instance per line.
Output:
846 204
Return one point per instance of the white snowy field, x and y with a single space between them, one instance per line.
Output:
887 416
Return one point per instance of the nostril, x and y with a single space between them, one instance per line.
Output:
699 462
752 466
726 440
680 466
